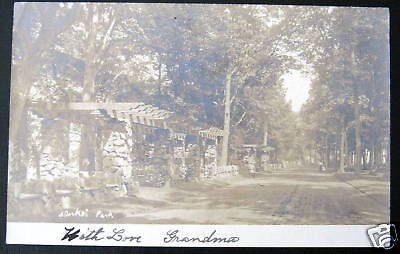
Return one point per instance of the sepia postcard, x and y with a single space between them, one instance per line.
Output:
199 125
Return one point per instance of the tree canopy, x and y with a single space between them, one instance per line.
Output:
180 57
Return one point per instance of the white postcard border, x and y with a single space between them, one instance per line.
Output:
157 235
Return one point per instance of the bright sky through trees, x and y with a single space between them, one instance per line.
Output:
297 86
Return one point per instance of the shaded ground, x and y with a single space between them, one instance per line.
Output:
295 196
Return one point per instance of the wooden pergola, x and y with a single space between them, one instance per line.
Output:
96 116
138 113
259 151
211 133
141 117
214 134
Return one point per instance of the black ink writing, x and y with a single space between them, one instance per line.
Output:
119 235
93 235
71 235
172 236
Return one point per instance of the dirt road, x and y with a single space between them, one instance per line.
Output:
296 196
291 196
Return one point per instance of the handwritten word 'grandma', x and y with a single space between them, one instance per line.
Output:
172 236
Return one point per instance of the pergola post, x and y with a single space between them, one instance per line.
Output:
216 135
99 149
217 161
87 149
184 152
202 155
171 162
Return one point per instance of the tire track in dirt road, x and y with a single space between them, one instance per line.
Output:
284 206
309 200
304 205
362 192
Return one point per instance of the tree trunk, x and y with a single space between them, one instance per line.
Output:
265 133
329 156
227 120
356 113
364 158
342 148
346 150
387 166
326 152
337 154
88 134
159 74
36 159
378 155
372 157
357 131
265 155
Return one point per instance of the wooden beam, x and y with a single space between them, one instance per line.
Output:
107 106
